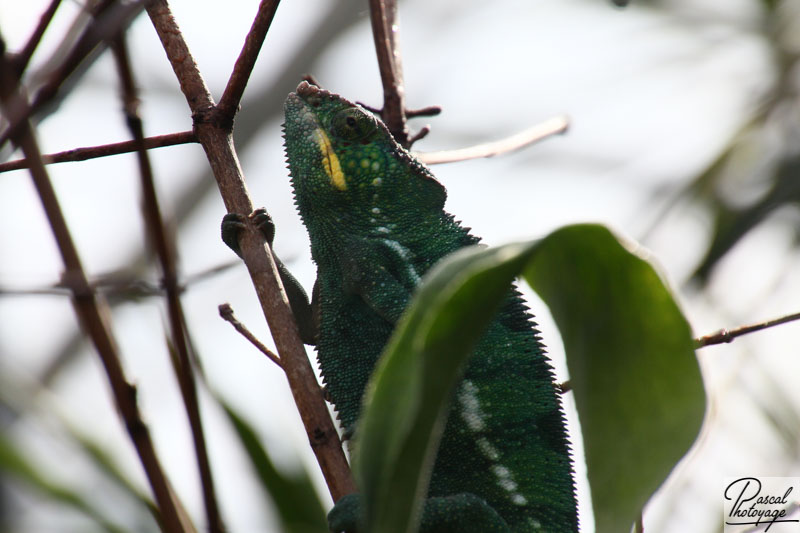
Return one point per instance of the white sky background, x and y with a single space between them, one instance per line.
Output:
653 96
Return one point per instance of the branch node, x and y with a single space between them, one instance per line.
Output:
135 426
212 115
319 437
74 281
729 335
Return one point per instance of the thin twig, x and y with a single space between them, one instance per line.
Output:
163 242
218 144
232 96
226 312
423 132
428 111
122 289
93 315
22 58
522 139
118 286
94 152
728 335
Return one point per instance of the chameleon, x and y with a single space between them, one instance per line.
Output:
376 222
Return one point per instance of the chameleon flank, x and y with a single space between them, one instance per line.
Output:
376 221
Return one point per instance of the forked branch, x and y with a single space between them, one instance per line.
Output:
232 96
217 142
383 16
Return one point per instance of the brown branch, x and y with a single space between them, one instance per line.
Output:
726 335
337 18
163 242
218 144
94 152
232 96
226 312
522 139
111 17
383 16
21 59
93 315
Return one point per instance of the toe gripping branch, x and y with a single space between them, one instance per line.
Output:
304 312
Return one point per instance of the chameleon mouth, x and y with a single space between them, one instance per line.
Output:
314 96
301 102
309 95
306 89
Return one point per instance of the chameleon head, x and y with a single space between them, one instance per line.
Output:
343 160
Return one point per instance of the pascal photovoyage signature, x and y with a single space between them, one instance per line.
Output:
751 507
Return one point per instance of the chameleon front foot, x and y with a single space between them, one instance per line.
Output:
233 224
344 516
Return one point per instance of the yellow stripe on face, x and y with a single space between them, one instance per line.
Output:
330 162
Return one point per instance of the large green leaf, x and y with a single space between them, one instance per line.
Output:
636 382
632 366
296 502
412 385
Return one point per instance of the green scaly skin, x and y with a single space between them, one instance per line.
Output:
376 221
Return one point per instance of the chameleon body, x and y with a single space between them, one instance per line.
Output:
376 221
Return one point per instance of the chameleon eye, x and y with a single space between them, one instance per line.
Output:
351 124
